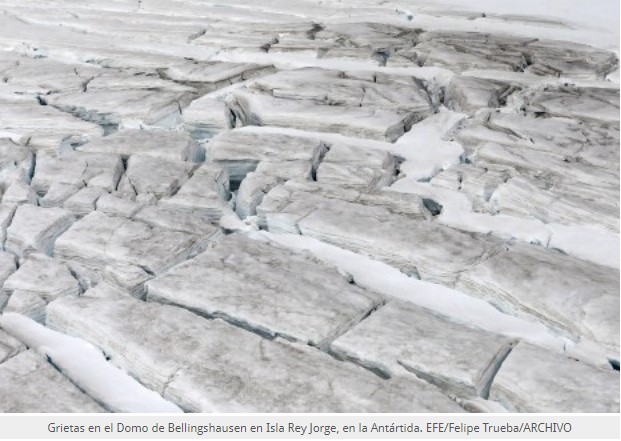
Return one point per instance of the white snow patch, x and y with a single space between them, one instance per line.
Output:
15 137
232 222
425 149
587 242
86 366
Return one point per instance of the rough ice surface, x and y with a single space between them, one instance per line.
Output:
522 386
205 195
29 383
154 143
77 169
456 358
9 346
34 229
397 206
231 379
40 279
331 101
97 241
266 289
575 297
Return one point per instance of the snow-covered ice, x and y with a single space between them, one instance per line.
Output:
398 206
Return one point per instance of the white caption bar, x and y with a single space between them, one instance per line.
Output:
311 426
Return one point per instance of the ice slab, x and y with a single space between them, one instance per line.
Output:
363 122
204 195
9 265
265 289
379 227
129 107
45 127
98 240
77 169
554 135
38 281
155 176
57 194
6 216
470 94
43 76
117 206
16 162
176 219
347 89
84 201
240 151
35 229
459 359
205 117
573 296
588 104
535 380
358 167
19 192
163 144
9 346
459 51
526 197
